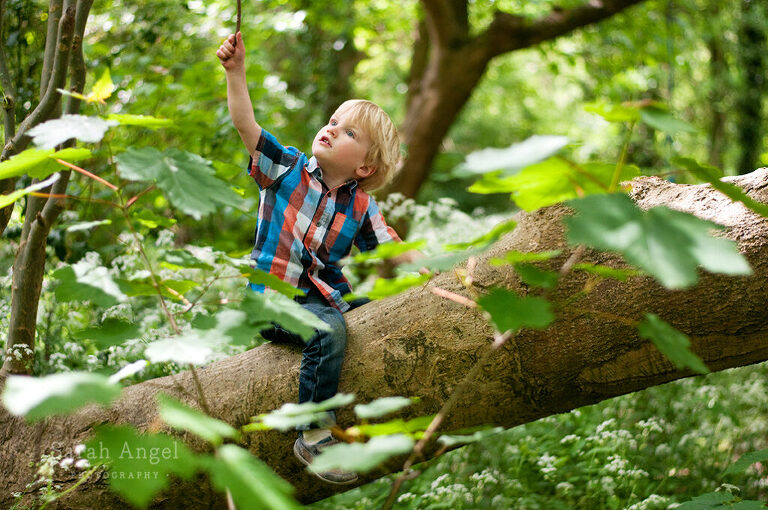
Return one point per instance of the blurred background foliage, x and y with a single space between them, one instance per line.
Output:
705 59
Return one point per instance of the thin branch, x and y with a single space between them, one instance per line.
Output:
9 118
457 298
54 16
499 340
77 64
87 174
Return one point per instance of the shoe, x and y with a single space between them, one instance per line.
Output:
306 452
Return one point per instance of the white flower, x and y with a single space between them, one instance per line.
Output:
82 464
79 449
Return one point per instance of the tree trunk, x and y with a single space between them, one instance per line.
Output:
749 104
441 83
418 344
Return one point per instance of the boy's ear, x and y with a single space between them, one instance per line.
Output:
365 171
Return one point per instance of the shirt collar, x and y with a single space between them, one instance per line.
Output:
313 167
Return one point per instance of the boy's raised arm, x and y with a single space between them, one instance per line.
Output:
232 57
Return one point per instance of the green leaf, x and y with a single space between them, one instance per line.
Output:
663 120
180 416
187 180
284 311
442 262
51 133
85 225
614 112
667 244
64 393
414 427
535 277
712 500
139 464
194 347
291 415
151 220
251 483
147 121
516 257
232 326
381 406
672 343
85 281
713 175
111 332
40 163
259 277
384 287
747 460
510 312
493 182
144 287
450 440
386 251
607 272
520 155
362 457
182 259
6 200
486 239
102 89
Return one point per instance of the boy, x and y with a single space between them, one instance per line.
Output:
311 211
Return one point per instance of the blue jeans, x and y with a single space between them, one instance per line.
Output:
323 354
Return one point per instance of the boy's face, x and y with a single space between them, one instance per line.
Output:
340 148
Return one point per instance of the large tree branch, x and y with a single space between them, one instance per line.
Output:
447 21
508 32
9 120
418 344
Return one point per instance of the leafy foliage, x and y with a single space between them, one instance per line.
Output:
510 312
667 244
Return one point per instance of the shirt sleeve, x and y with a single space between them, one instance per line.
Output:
271 160
374 230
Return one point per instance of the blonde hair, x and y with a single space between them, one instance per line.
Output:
384 150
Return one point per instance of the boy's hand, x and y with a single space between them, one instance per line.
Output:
231 55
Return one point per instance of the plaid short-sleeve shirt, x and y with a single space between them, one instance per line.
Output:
304 228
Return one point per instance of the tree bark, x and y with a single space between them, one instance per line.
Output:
440 86
418 344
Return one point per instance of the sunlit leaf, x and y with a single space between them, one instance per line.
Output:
671 342
486 239
232 326
451 440
384 287
182 259
259 277
63 393
173 289
386 251
614 112
414 427
667 244
40 163
607 272
10 198
151 220
510 312
381 406
187 180
516 257
194 347
712 175
139 464
85 225
536 277
362 457
251 483
291 415
520 155
557 180
442 262
111 332
183 417
85 281
129 370
147 121
284 311
102 89
51 133
746 461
